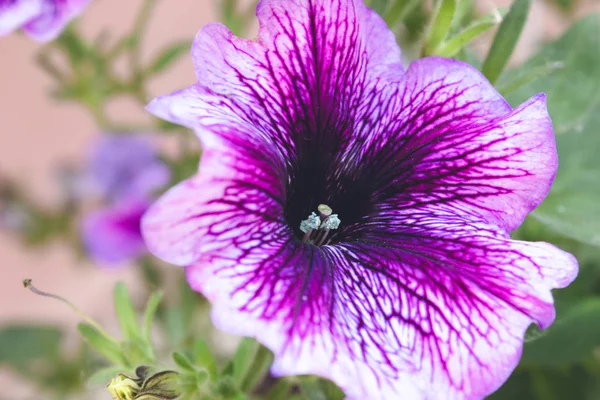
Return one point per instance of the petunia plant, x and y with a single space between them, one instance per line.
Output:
353 220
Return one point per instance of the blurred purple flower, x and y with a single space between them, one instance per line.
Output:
43 20
121 167
125 171
112 235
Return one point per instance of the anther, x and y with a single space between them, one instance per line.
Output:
332 222
316 228
312 222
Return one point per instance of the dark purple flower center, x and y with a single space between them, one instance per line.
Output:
317 179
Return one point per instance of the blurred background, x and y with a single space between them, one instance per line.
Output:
39 135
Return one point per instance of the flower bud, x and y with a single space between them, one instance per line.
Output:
165 385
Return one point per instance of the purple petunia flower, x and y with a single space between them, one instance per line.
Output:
125 171
354 217
112 235
123 166
43 20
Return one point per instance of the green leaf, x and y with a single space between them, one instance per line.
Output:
399 10
565 5
227 369
551 384
463 15
440 25
379 6
244 356
452 46
506 87
203 357
259 369
126 313
573 96
569 340
150 312
201 378
518 387
312 389
167 56
22 344
182 361
103 345
332 392
180 319
505 40
280 391
150 272
226 386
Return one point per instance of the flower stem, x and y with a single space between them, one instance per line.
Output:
28 285
135 39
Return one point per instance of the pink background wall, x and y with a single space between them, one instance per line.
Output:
37 133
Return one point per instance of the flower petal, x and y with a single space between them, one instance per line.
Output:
450 137
439 314
308 76
55 15
13 14
112 235
240 189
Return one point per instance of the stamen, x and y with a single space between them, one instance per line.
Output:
316 228
333 222
311 223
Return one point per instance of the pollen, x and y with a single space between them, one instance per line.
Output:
316 227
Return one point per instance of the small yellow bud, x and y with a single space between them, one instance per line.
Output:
123 388
163 385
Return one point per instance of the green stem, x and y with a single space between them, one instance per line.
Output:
139 29
399 11
100 116
44 60
28 285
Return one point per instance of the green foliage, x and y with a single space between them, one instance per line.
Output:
106 347
573 98
280 391
505 40
34 352
251 364
560 363
242 360
399 10
167 56
182 361
126 313
204 359
150 313
379 6
20 345
439 26
570 340
319 389
564 5
452 46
